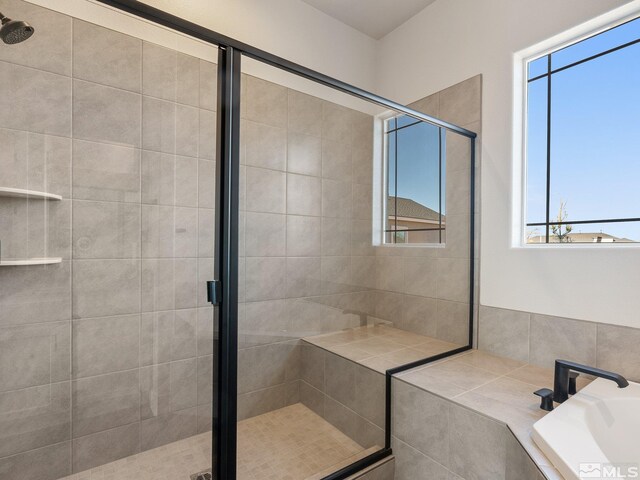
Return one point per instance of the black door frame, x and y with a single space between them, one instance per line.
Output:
224 292
226 263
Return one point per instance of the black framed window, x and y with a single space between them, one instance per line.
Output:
415 173
583 141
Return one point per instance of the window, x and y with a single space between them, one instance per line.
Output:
415 179
583 141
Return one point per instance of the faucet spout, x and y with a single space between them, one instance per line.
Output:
561 377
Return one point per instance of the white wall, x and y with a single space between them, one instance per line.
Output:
454 39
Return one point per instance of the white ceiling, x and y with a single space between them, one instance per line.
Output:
375 18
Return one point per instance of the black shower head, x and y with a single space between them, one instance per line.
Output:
14 31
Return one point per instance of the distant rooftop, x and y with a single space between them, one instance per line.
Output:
579 237
408 208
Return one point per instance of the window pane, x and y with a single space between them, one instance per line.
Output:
595 170
418 176
615 37
405 120
627 232
536 151
538 67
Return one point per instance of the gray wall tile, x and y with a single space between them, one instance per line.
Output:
208 85
157 284
413 465
186 282
207 135
48 299
159 71
266 278
304 114
158 125
34 355
39 101
160 430
105 401
186 232
155 391
187 126
158 178
105 287
461 103
504 333
265 102
554 337
265 235
104 447
421 420
184 386
103 345
186 180
271 360
156 331
105 56
304 154
106 230
188 80
158 231
265 146
206 184
50 463
119 120
261 401
477 445
105 172
612 341
519 465
34 417
340 379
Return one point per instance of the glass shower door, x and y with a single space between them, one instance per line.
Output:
107 214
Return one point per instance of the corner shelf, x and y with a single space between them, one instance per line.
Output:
22 193
18 262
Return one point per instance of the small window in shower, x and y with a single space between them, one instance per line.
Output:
582 142
415 182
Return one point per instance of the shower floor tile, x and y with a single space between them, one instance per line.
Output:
292 443
380 347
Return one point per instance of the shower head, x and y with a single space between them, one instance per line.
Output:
14 31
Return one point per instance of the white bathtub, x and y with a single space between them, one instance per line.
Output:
594 434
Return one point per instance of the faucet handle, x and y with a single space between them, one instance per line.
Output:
546 398
572 382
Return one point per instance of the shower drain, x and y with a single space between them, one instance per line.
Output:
204 475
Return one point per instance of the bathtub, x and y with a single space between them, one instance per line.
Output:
595 433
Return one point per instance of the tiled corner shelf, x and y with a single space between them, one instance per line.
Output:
22 193
9 192
18 262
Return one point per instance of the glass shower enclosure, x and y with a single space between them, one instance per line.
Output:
194 278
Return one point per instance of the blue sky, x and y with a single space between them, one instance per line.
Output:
595 142
418 157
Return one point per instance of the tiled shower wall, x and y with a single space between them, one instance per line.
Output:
306 246
306 256
109 352
541 339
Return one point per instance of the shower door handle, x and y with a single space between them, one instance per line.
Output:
214 292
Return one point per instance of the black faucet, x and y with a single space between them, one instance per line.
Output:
561 377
